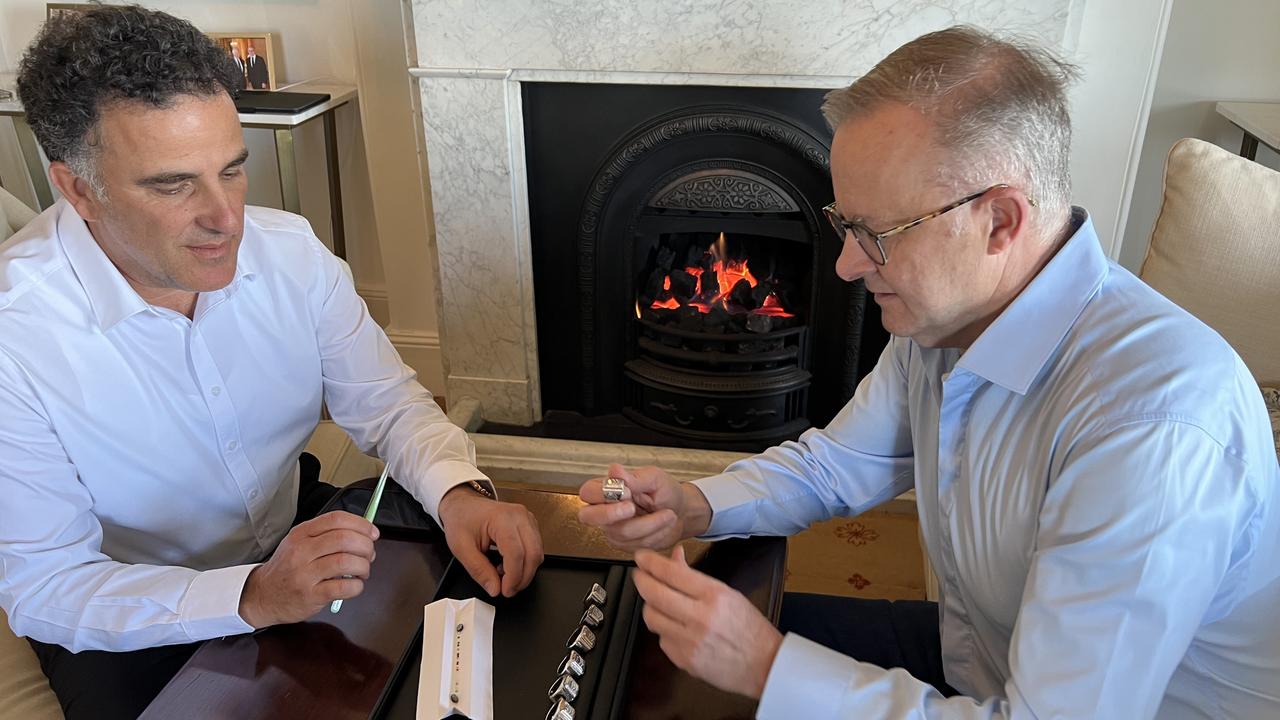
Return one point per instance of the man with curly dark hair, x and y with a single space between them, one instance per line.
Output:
164 355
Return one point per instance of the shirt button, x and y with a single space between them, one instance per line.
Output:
253 494
215 391
231 446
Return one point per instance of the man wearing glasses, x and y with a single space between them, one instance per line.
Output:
1094 469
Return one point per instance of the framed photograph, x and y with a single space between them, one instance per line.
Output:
53 10
255 56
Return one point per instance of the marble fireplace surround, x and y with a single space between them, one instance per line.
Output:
472 60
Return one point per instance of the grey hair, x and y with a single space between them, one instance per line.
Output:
82 159
998 105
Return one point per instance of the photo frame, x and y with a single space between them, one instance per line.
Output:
52 10
254 54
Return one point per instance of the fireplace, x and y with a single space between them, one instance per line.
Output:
721 345
683 274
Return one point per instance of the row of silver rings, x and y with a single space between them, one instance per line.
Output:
565 689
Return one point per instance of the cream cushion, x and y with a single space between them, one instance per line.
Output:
1215 249
1272 397
24 691
13 215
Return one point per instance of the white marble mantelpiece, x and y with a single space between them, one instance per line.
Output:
473 58
635 78
815 37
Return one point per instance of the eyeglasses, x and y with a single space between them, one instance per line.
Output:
872 242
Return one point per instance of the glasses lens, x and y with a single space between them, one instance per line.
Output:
837 222
864 238
869 245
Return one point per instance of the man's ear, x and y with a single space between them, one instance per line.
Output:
76 191
1010 213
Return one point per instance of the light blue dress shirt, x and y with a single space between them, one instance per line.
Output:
1098 495
148 460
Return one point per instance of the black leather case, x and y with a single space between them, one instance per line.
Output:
530 636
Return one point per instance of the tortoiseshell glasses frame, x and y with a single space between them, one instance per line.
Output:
872 242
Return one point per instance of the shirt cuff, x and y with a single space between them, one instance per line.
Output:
443 476
807 680
211 606
724 493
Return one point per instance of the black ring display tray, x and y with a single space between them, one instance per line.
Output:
530 636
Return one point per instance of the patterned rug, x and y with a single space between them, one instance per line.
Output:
875 555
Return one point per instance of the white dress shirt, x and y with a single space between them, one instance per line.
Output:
1099 496
148 460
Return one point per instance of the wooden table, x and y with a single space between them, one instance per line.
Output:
1259 121
335 666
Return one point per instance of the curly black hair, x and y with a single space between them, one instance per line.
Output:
81 62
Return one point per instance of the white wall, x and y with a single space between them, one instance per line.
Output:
358 42
1117 45
1221 50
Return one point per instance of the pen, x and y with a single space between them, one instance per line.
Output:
369 514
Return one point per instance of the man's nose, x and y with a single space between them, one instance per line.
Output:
221 212
853 262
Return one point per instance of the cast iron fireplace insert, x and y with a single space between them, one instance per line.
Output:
683 273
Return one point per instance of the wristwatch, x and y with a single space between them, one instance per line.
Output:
482 489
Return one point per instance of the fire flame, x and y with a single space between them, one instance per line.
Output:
729 273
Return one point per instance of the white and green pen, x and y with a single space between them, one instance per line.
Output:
369 514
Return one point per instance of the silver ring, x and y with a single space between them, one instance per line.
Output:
583 640
560 710
614 489
564 687
597 596
572 664
593 616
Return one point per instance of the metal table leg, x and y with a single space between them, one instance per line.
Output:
290 198
1249 146
285 160
335 186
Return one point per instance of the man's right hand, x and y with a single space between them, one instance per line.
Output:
655 513
308 570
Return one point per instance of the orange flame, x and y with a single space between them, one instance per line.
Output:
773 307
728 273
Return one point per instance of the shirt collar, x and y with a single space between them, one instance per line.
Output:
110 295
1015 348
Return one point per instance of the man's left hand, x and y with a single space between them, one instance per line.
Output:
705 627
473 522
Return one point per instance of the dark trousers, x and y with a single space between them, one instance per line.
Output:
892 634
119 685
